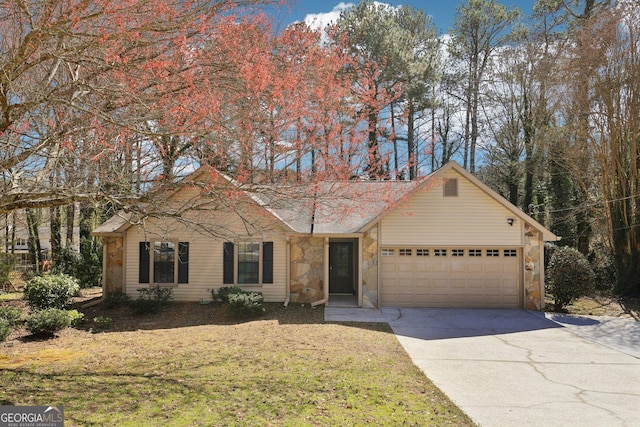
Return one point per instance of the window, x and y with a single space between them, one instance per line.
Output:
457 252
167 260
439 252
247 263
493 252
388 252
510 253
475 252
450 187
422 252
405 252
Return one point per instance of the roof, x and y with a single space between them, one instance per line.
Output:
333 208
114 225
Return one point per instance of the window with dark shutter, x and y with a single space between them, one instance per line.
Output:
183 262
227 274
143 269
267 262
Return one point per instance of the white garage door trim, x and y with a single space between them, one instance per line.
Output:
451 276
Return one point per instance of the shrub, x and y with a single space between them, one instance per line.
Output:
116 299
13 315
7 265
102 322
152 300
47 322
569 276
5 329
86 266
244 304
75 317
89 267
50 291
603 266
222 294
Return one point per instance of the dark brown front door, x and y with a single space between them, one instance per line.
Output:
341 271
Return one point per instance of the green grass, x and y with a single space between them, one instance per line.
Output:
268 372
10 296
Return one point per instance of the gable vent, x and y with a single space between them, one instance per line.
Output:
451 187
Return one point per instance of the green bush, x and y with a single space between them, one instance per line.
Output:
7 265
13 315
5 329
102 322
152 300
116 299
50 291
244 304
47 322
85 266
75 317
569 276
222 294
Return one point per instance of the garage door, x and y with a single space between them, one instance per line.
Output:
450 277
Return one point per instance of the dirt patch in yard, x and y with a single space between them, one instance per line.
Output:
601 305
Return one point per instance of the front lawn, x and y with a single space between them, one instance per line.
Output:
287 368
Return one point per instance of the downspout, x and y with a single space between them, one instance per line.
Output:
288 274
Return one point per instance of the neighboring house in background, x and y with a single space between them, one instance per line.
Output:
15 236
443 241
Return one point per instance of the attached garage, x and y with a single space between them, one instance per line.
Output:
451 277
456 243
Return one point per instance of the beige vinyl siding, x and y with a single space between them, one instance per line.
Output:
205 259
470 218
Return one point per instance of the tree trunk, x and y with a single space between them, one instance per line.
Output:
413 169
55 228
34 240
71 213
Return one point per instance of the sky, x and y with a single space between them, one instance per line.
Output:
442 12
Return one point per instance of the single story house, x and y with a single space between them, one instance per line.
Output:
446 240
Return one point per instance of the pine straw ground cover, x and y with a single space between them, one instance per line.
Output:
190 366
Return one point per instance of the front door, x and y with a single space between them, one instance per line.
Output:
341 271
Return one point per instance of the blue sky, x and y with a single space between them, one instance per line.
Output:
441 11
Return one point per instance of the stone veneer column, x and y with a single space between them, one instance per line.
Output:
307 261
533 268
370 268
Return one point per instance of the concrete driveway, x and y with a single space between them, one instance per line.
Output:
519 368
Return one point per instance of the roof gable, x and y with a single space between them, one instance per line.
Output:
440 175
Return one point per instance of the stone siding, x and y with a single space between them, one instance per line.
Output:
307 269
533 268
370 268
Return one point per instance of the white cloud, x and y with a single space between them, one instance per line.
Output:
321 20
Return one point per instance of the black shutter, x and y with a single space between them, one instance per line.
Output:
183 262
227 273
267 262
143 270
